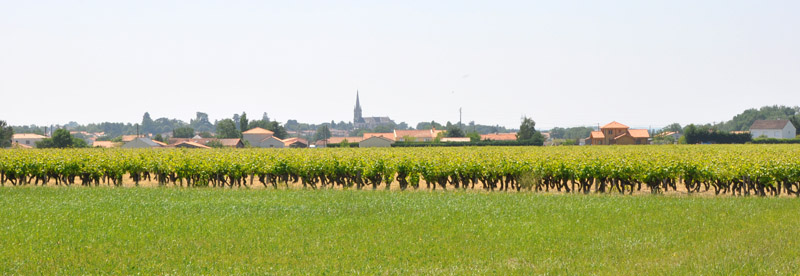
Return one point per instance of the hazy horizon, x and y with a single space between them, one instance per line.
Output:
576 63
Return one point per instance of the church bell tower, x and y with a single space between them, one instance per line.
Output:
357 111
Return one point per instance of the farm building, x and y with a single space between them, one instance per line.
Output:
376 142
615 133
456 139
27 139
191 145
106 144
228 143
270 142
499 137
140 143
425 135
295 142
779 129
256 135
389 135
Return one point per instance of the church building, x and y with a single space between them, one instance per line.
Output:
367 122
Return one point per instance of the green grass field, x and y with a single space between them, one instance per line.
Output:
212 231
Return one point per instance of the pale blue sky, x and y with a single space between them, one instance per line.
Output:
564 63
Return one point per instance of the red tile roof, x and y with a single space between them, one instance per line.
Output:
614 125
232 142
27 136
499 136
425 133
639 133
128 138
336 140
288 141
192 145
389 136
597 135
105 144
258 130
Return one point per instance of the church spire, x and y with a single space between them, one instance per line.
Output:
357 111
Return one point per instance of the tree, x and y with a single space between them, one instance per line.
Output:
455 131
215 144
527 132
206 134
61 139
796 122
675 127
265 117
201 123
243 122
227 129
474 136
237 121
147 123
160 138
527 129
322 133
6 134
183 132
278 130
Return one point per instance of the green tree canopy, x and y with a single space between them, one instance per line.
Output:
227 129
527 132
61 139
6 133
243 122
183 132
322 133
455 131
147 123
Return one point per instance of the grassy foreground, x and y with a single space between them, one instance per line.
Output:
213 231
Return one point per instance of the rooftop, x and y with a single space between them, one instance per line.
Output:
769 124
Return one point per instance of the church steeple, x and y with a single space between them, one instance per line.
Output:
357 111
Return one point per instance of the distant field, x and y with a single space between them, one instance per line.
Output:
221 231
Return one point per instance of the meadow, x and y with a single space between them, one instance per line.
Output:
180 231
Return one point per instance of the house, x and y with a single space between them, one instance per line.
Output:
128 138
455 139
270 142
256 135
337 140
499 137
295 142
389 135
779 129
376 142
425 135
232 143
191 145
106 144
615 133
27 139
140 143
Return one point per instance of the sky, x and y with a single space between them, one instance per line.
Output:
562 63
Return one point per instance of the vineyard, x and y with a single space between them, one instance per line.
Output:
722 169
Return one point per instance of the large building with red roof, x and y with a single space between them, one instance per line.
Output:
615 133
